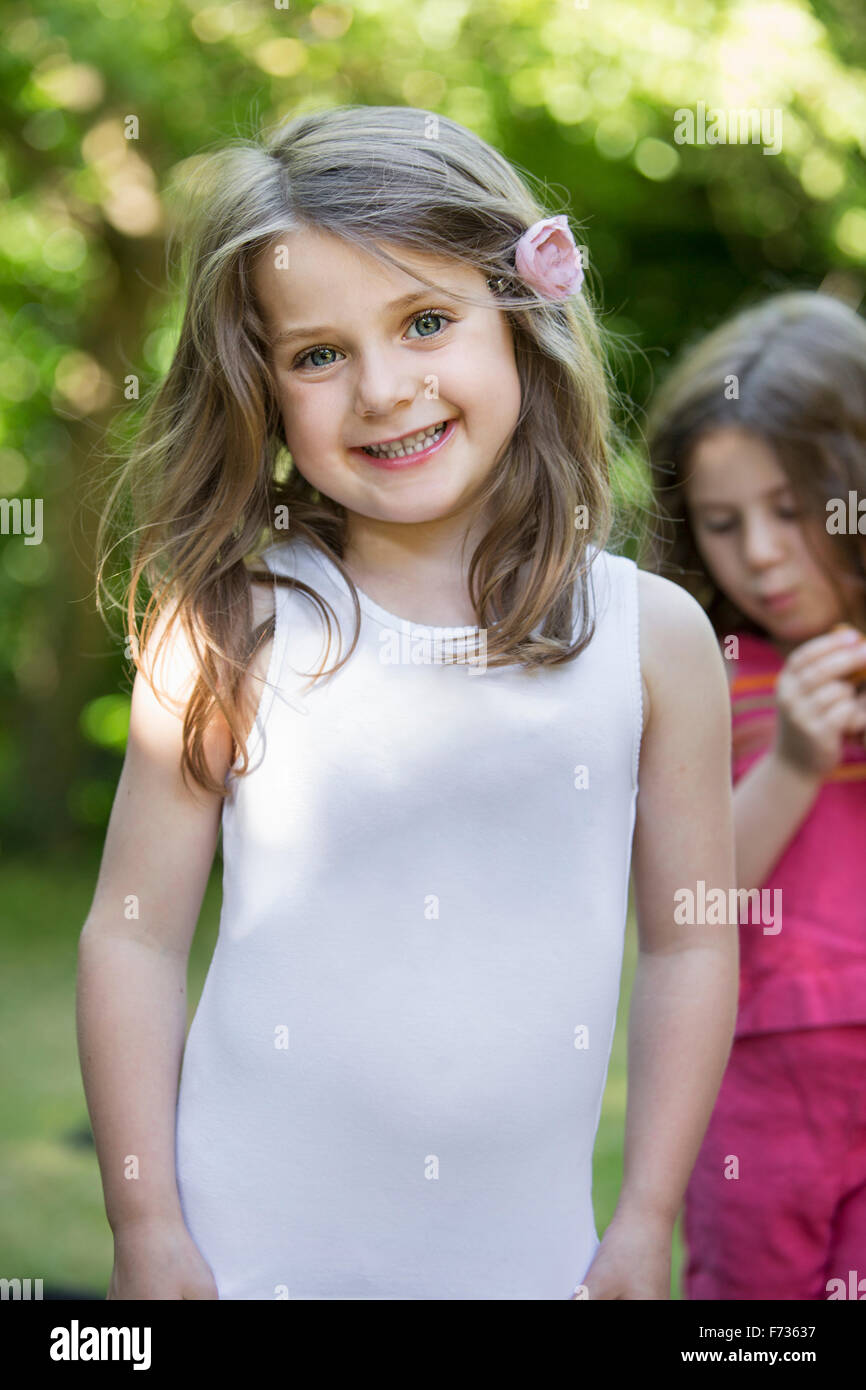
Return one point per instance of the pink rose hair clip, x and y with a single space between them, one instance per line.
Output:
547 258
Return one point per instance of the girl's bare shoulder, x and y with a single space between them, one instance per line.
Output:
681 664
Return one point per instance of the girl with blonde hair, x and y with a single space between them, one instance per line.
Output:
389 407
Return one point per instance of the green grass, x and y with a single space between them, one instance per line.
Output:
52 1219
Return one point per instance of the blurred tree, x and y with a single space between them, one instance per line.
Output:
102 103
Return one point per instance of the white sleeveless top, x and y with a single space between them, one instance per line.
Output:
392 1083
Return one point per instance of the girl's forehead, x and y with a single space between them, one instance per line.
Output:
296 274
324 255
726 448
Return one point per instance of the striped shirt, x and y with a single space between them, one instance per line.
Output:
812 973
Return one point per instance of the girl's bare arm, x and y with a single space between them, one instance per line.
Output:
816 704
134 946
771 801
684 1000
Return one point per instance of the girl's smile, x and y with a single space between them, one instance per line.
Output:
409 449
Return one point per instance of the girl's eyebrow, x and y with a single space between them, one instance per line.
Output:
771 492
396 305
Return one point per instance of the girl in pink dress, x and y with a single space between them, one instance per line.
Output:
758 448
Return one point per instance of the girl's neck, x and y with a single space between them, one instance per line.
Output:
430 602
415 571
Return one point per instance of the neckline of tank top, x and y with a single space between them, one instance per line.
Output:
375 610
382 615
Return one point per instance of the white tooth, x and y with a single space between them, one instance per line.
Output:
412 444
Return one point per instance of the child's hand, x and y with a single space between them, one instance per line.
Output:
817 702
632 1261
159 1260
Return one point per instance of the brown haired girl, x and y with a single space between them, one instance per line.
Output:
388 375
758 444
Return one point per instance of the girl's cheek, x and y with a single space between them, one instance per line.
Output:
719 559
708 545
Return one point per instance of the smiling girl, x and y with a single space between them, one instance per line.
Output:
753 437
389 406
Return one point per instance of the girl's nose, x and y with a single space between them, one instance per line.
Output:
762 541
383 385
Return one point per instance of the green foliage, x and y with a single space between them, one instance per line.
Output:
106 102
105 721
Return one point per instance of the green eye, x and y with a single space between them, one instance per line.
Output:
300 360
311 352
431 314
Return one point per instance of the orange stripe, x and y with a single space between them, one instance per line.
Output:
764 682
849 772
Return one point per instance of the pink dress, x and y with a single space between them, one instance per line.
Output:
776 1203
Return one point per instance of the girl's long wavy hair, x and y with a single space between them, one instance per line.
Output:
204 477
792 372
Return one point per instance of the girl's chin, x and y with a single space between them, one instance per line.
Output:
779 627
795 633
